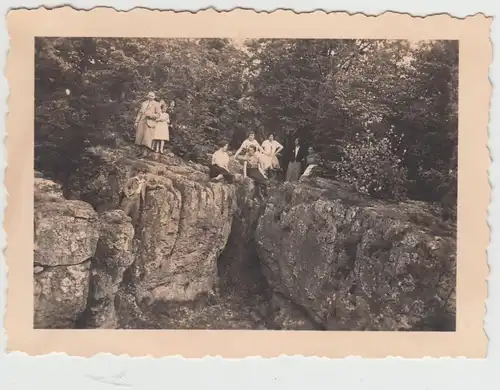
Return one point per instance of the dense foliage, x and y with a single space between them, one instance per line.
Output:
382 114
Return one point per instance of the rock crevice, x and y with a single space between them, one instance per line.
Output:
315 255
361 265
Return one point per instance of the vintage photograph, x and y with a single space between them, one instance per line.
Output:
245 184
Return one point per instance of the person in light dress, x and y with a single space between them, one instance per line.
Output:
247 143
145 122
271 149
161 131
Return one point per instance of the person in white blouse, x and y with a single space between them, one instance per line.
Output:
219 169
246 143
271 149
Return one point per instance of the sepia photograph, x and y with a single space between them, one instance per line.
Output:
241 184
245 184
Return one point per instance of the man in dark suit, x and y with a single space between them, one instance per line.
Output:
296 155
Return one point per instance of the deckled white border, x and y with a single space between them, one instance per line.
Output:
54 372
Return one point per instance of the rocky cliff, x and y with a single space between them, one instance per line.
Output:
315 255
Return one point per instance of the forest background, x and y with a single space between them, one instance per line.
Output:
383 114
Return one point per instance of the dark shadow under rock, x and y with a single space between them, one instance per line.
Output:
239 267
112 257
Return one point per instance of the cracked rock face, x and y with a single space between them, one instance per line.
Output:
183 230
184 225
60 295
65 240
354 264
113 256
65 230
314 256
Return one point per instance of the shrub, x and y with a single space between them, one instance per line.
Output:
372 165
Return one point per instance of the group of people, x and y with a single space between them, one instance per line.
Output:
152 124
260 161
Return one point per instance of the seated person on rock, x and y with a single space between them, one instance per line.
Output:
219 169
253 168
312 161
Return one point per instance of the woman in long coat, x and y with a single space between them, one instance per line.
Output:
145 122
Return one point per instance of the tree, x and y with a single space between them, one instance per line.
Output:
403 94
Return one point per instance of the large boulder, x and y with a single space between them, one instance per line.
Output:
184 224
60 295
65 240
350 263
65 230
184 227
113 256
315 255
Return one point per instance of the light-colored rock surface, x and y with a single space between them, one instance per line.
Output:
65 240
315 255
60 295
65 230
351 263
183 227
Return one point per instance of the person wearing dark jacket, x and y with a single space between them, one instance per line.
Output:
296 155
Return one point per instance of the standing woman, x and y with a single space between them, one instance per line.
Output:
295 165
253 169
145 122
271 149
250 141
161 133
